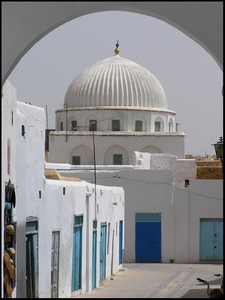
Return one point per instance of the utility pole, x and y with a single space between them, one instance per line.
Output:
94 166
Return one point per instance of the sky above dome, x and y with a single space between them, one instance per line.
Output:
190 77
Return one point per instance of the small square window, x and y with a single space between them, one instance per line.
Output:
157 126
117 159
92 125
95 224
115 125
186 182
74 125
23 131
76 160
138 125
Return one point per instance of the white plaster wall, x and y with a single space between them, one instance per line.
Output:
54 210
30 170
33 159
22 187
181 226
105 115
201 199
44 199
145 191
8 131
8 134
182 168
60 149
205 201
59 215
26 168
142 160
181 208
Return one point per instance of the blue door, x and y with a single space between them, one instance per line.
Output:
103 251
94 255
77 254
211 240
121 243
148 238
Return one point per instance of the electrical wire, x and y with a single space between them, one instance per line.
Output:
153 182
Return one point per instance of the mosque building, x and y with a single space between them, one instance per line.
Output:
112 109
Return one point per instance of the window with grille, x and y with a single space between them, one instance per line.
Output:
78 220
157 126
76 160
92 125
138 125
61 126
74 125
117 159
115 125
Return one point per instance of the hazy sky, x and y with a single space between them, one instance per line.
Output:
190 77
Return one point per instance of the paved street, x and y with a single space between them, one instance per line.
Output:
158 281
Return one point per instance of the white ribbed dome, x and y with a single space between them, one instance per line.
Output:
116 82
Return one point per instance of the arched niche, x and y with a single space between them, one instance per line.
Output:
116 150
171 125
85 154
195 19
151 149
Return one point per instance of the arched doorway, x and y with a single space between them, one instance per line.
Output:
196 19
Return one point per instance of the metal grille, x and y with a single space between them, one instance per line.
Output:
148 217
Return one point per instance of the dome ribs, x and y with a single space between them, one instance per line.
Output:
97 87
143 100
122 87
85 99
128 95
109 87
113 86
116 82
119 100
133 87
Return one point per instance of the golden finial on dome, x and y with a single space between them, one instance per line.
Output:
117 51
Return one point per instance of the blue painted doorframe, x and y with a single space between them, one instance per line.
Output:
77 254
103 251
121 243
211 239
94 254
148 238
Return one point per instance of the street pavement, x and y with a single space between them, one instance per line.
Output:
158 281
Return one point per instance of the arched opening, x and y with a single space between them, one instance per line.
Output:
185 90
81 155
151 149
196 20
116 155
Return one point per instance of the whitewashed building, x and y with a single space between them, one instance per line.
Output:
123 107
134 143
169 214
68 234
